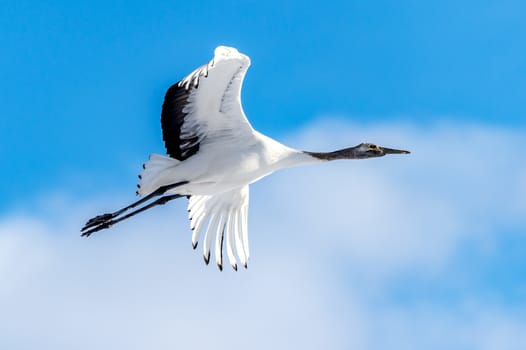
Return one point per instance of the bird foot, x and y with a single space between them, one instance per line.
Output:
97 220
99 227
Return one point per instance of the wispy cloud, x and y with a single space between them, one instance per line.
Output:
386 253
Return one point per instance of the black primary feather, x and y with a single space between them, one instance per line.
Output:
172 120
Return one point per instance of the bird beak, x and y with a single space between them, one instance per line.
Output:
393 151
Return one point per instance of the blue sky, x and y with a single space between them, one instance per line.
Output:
441 263
74 76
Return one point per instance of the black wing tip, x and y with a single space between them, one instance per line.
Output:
172 120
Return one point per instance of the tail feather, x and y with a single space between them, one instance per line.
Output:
151 178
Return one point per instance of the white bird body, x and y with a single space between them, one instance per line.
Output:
215 169
214 155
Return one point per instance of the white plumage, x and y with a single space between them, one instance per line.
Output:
214 154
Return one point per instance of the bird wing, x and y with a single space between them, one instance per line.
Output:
223 217
206 105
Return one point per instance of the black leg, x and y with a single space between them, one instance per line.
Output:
110 222
100 219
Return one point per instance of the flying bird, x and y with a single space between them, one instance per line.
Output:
214 154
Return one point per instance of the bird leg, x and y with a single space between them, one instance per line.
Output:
111 221
103 218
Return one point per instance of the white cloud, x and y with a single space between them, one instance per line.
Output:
144 288
328 244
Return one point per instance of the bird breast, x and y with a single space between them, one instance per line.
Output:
218 168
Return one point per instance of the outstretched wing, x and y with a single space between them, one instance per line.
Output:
206 105
223 217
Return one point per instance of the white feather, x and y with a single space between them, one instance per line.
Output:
209 236
201 222
220 235
151 177
230 238
239 238
244 229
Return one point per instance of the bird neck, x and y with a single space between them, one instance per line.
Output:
292 157
295 157
345 153
278 156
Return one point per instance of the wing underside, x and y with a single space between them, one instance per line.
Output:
221 220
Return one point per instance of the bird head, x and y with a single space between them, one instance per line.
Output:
370 150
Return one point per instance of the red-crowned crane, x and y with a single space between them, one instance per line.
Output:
214 155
